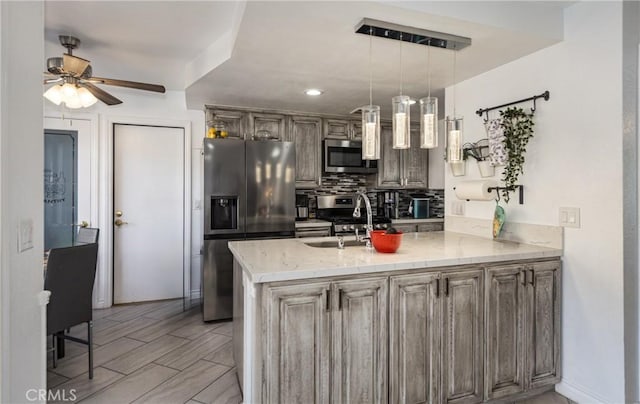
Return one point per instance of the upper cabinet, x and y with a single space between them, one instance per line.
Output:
275 124
402 168
345 129
235 121
306 133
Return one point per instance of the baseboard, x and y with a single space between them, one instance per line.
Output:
195 294
578 393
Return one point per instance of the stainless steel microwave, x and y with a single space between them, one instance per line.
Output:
345 156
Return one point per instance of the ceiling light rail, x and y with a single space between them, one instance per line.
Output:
405 33
544 96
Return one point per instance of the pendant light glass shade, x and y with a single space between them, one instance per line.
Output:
454 140
371 132
401 121
428 122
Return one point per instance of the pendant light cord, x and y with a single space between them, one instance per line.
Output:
401 63
429 68
370 68
454 82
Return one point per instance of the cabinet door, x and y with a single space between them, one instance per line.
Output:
505 332
336 129
296 343
273 123
359 339
306 133
463 339
414 340
415 163
389 165
235 121
543 324
430 226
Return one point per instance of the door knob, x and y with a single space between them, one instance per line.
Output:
119 222
118 213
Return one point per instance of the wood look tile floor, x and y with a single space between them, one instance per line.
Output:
150 353
157 353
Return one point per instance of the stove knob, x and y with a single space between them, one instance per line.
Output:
384 226
377 226
352 227
345 227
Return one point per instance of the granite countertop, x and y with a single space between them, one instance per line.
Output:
291 259
312 223
412 220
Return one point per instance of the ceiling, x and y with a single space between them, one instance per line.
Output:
265 53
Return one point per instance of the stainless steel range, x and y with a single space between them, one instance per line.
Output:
338 209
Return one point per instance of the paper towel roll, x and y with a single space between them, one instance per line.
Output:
476 190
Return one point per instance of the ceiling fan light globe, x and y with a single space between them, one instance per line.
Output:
54 94
86 98
73 102
69 91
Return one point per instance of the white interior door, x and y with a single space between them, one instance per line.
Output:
68 173
148 202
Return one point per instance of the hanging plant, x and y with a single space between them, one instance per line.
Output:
518 129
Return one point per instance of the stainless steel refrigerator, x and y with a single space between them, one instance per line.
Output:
249 193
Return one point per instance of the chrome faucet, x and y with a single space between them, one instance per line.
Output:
356 213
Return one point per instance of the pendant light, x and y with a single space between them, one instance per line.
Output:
370 118
428 112
401 115
454 126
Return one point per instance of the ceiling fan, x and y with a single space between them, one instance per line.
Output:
76 83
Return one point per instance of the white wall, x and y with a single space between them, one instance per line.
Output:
141 105
574 159
22 356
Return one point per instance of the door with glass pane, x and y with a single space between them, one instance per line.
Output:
66 179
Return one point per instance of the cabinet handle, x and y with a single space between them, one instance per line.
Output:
437 287
523 276
328 302
446 286
339 299
533 278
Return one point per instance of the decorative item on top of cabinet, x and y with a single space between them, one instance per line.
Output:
342 129
235 122
407 168
275 124
306 133
522 328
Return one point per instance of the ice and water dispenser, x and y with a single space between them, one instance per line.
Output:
224 212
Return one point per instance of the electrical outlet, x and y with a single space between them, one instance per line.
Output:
569 217
25 235
457 208
197 204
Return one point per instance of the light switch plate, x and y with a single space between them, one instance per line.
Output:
569 217
457 208
25 235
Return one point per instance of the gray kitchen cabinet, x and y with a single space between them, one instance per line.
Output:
316 329
359 339
235 121
463 337
523 328
344 129
306 133
402 168
297 343
275 124
415 326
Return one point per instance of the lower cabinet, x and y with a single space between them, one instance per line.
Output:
437 337
325 331
457 335
523 328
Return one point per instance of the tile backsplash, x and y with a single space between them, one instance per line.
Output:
340 184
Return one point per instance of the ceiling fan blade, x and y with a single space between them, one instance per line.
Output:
101 94
131 84
74 65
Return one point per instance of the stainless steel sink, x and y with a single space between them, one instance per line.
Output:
334 244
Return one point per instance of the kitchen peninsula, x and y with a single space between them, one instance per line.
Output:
450 317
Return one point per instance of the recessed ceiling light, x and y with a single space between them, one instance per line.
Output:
312 92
